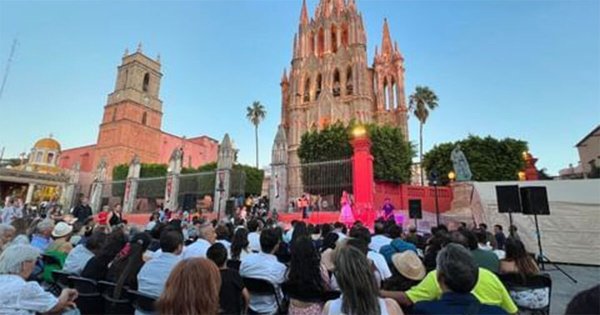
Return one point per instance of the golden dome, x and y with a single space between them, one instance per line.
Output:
47 143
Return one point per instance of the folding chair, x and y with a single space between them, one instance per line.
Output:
115 305
142 302
61 278
89 300
532 293
262 287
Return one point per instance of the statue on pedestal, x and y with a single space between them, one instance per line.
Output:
460 164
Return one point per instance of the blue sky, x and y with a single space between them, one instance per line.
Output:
523 69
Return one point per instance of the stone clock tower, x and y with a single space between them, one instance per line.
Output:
132 118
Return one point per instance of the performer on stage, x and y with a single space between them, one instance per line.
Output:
388 209
346 215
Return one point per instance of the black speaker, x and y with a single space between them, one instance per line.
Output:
230 207
508 198
414 209
535 200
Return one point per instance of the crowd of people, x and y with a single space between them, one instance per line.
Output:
211 267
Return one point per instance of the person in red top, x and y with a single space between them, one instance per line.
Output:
103 216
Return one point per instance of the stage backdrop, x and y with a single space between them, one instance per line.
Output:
570 234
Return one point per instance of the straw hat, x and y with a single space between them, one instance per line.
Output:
409 265
61 229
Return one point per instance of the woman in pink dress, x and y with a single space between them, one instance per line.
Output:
346 215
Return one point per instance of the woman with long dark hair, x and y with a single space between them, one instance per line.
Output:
360 294
306 280
181 295
97 267
240 244
300 230
517 260
125 267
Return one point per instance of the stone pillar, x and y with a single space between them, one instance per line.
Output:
362 177
69 188
278 190
98 186
225 160
30 191
131 184
172 186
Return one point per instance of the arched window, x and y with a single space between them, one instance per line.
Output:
318 89
394 94
321 42
38 156
349 83
385 94
49 158
345 35
333 39
336 83
144 118
311 38
307 90
146 82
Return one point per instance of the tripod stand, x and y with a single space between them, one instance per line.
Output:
541 259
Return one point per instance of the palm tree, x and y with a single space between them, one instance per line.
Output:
421 102
256 113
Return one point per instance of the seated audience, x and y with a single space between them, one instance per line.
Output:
362 233
240 245
19 296
58 249
586 302
97 267
125 267
457 275
488 289
7 234
264 265
517 259
233 297
223 236
359 290
42 238
153 275
206 237
413 237
408 271
182 293
379 239
82 253
306 280
490 239
434 245
484 256
254 235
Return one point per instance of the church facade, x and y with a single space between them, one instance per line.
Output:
132 124
331 80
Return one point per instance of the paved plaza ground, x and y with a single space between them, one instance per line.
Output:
563 289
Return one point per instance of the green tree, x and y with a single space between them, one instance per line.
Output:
256 114
421 102
391 153
490 159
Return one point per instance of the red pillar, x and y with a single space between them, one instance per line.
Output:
362 172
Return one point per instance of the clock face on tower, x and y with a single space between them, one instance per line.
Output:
146 100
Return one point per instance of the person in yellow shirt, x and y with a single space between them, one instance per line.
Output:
488 289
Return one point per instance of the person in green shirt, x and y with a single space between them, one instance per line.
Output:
488 289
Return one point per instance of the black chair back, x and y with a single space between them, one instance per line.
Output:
61 278
89 300
261 287
142 302
516 283
112 304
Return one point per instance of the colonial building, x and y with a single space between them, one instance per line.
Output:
132 122
330 79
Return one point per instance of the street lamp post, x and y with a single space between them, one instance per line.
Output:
434 176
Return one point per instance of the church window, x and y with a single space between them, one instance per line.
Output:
349 84
386 105
144 118
146 82
311 39
319 83
38 156
345 35
114 115
321 42
49 158
333 39
394 94
336 83
307 90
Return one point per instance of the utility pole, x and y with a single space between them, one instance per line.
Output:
10 57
